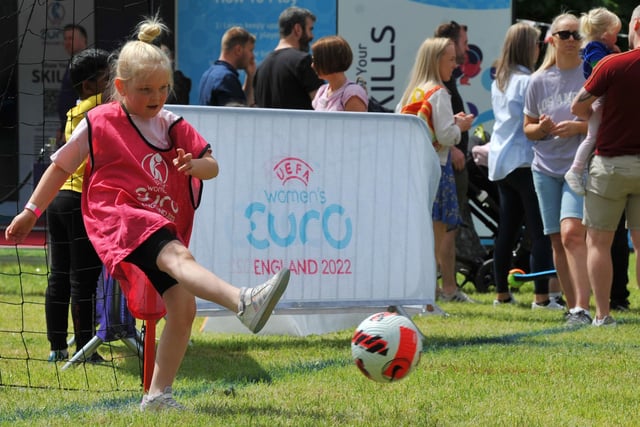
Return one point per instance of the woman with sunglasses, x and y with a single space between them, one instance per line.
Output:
557 134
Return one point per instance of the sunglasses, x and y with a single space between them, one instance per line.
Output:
564 35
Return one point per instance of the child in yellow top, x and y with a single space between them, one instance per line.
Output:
74 264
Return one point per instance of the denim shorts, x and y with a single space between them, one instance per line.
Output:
557 201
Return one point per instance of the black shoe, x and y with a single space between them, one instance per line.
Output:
559 300
95 359
619 305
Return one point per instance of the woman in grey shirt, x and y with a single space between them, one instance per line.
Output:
556 134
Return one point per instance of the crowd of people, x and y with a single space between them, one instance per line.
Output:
562 154
538 156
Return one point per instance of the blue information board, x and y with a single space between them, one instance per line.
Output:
201 24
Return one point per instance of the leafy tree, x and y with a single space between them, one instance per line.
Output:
545 10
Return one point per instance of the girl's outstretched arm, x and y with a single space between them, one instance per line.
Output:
46 190
205 167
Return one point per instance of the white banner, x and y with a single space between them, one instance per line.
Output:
342 199
385 36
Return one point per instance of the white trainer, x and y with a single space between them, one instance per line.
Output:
160 402
256 304
457 296
552 304
510 301
605 321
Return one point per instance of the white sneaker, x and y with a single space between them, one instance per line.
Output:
559 300
605 321
457 296
575 182
578 317
256 304
160 402
510 301
551 305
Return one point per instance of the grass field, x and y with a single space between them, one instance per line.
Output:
507 366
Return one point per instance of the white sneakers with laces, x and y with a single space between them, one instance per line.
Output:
160 402
255 308
605 321
551 304
256 304
457 296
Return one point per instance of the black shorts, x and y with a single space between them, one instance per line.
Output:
145 258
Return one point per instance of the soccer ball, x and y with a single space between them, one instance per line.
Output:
386 347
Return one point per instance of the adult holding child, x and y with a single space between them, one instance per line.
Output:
426 97
332 56
133 143
510 157
600 28
613 184
556 133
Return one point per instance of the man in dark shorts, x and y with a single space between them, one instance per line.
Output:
613 184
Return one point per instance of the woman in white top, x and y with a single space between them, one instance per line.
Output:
510 157
427 98
558 133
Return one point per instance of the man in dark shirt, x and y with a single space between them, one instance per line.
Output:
75 40
285 78
220 84
458 34
468 245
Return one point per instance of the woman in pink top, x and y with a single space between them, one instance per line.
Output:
332 56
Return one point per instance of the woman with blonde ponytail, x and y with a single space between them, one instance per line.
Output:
556 134
428 98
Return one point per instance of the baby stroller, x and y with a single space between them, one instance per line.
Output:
483 204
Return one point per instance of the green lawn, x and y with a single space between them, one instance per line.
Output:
507 366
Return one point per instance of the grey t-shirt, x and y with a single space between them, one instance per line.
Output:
551 92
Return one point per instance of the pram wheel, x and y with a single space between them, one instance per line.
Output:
484 277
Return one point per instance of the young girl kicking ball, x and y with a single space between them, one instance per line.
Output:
139 196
